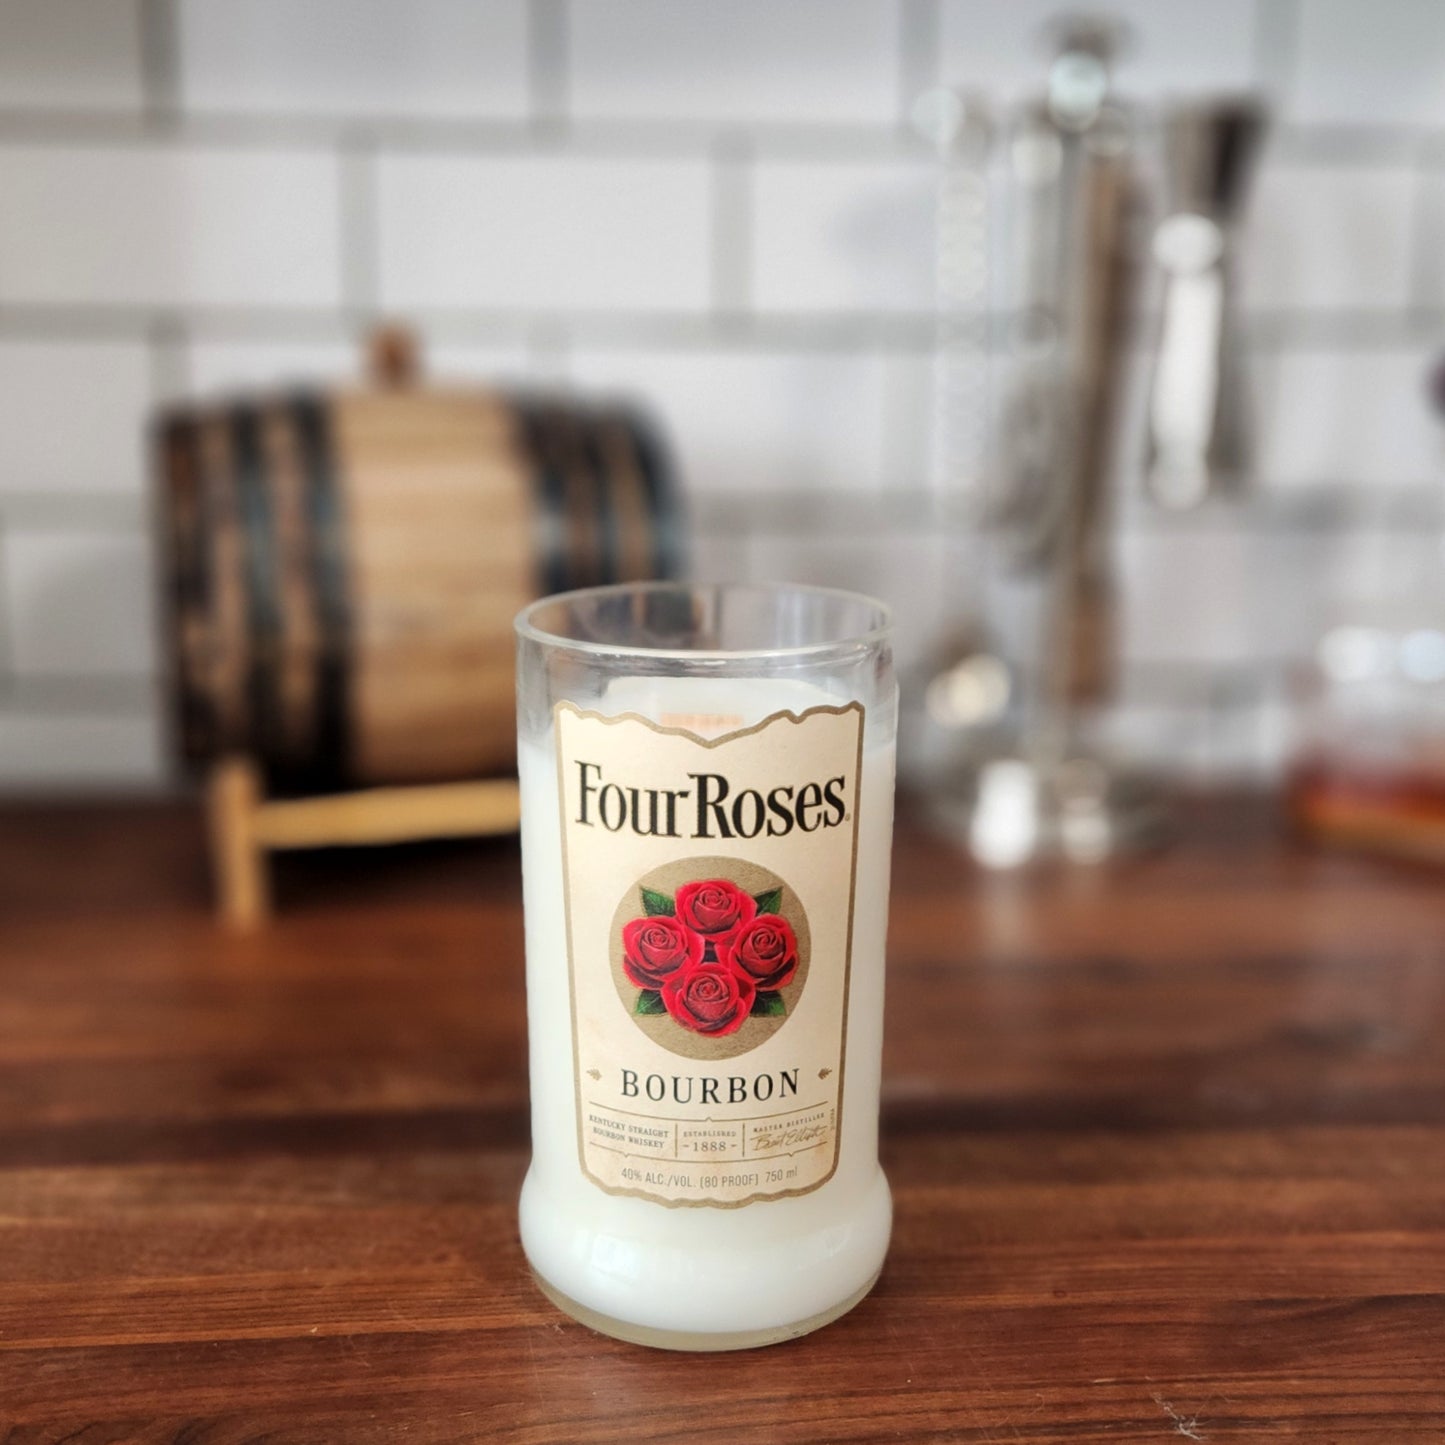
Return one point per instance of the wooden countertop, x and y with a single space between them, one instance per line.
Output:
1167 1143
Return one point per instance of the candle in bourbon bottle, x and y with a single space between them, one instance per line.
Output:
706 889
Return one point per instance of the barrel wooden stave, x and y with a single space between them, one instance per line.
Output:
344 570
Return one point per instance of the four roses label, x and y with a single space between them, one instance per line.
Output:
711 956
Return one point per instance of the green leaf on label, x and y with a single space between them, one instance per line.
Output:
770 901
657 904
649 1001
769 1005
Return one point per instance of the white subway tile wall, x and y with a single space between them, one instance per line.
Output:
54 750
743 62
433 58
1195 595
545 233
1429 255
80 603
720 208
840 237
222 368
72 422
168 226
495 362
754 425
1325 237
1331 416
1363 64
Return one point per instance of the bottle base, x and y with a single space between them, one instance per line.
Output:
699 1341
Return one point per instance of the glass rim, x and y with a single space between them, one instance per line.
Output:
527 629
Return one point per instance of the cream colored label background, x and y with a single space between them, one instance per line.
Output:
631 1145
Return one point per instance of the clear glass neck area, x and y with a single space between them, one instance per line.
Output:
716 619
709 658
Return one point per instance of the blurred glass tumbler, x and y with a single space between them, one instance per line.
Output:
707 815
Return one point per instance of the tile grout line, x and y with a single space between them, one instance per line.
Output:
8 680
730 230
903 448
1292 329
172 383
160 59
548 350
168 344
919 52
1419 252
1276 46
549 127
549 24
1317 513
359 228
85 694
73 512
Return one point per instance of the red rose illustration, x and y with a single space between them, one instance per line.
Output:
764 951
653 949
708 998
714 908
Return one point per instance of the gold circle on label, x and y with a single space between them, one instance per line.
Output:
658 888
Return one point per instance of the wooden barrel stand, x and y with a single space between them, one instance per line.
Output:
245 826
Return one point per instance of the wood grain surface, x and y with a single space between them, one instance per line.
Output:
1167 1143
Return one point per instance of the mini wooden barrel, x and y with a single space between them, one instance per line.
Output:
344 569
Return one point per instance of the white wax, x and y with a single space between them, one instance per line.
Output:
701 1270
